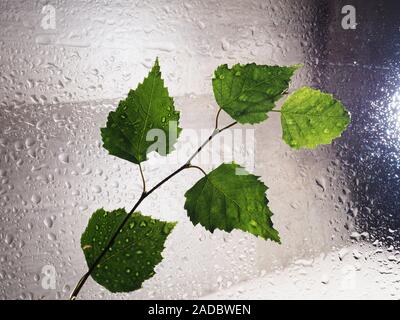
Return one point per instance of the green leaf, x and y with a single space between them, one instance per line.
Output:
310 117
230 198
146 108
248 92
133 256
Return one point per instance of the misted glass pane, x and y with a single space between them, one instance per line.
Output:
64 65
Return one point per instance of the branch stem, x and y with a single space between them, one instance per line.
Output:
144 195
215 132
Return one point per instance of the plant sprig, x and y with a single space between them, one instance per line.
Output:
122 249
143 196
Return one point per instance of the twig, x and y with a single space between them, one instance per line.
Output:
144 195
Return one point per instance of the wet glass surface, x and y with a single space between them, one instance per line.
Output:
362 67
336 207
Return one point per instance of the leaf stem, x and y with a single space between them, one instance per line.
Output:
199 168
217 118
279 111
228 126
144 195
143 179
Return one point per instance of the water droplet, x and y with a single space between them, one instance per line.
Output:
320 183
342 253
325 279
3 142
253 223
96 189
51 236
29 142
64 158
9 239
36 198
167 228
18 145
48 222
225 45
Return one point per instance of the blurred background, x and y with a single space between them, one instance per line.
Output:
65 64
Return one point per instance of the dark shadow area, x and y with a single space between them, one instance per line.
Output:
361 67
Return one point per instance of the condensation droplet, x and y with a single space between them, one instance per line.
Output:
36 199
96 189
51 236
9 238
64 158
48 222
